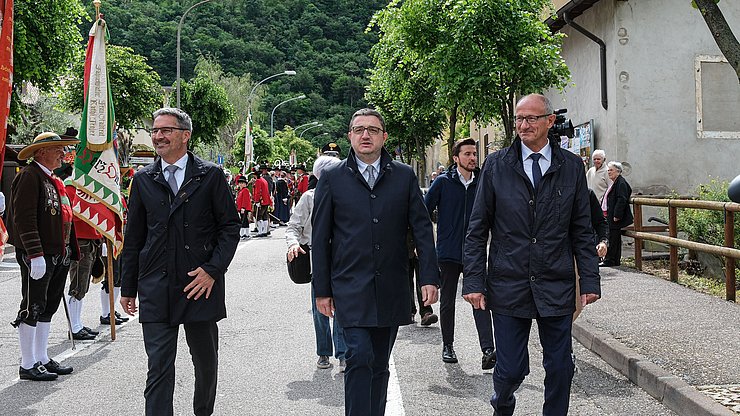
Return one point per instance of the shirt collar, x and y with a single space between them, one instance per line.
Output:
546 151
181 163
462 178
46 171
362 166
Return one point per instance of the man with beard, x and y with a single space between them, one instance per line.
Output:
452 195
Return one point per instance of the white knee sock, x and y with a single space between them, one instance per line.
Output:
41 342
26 337
116 297
75 313
104 303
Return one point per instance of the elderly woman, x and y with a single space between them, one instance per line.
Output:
616 207
297 233
597 177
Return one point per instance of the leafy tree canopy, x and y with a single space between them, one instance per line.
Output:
207 104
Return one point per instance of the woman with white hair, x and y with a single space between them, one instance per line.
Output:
616 207
299 233
597 177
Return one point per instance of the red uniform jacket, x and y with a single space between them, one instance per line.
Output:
262 192
244 200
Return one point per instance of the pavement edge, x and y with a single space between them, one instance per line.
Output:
670 390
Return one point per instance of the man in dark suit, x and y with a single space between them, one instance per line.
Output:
182 232
533 202
362 212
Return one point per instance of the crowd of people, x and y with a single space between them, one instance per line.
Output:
526 232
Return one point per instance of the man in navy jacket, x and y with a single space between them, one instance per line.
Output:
452 194
533 202
363 209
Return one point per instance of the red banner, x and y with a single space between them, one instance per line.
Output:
6 73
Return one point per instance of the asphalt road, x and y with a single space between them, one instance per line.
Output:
267 360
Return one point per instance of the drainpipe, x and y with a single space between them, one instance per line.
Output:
602 48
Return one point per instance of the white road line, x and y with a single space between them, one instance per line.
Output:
394 403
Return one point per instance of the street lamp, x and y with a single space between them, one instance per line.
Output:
313 123
272 116
319 135
312 127
248 138
179 29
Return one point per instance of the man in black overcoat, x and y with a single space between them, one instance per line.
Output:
362 211
182 232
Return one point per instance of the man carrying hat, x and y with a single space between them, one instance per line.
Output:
40 227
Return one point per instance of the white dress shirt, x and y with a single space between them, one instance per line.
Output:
544 161
362 167
462 178
182 163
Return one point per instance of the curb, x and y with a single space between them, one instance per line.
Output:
670 390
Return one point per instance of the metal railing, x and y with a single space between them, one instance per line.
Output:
728 251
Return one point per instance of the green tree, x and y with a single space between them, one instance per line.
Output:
286 141
206 102
134 86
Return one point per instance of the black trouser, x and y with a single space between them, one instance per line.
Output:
262 214
450 275
614 253
160 342
41 298
367 373
416 287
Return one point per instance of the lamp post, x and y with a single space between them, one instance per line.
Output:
179 29
248 138
272 116
315 124
312 127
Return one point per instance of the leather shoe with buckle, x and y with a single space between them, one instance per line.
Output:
428 319
36 373
448 354
83 335
105 320
56 368
91 331
489 359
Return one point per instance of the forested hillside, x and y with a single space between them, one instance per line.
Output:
323 40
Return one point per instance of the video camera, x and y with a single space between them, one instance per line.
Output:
562 127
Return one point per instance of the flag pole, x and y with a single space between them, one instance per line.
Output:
97 8
111 301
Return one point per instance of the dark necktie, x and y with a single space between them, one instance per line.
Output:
536 171
371 176
171 180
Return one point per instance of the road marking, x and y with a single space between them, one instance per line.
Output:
394 403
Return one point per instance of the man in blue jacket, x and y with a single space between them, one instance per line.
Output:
452 195
533 202
363 209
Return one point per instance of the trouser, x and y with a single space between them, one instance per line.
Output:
262 214
41 298
414 286
450 275
367 373
512 362
324 335
160 343
614 253
80 271
116 273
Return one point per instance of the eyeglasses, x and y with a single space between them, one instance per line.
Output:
372 130
530 119
166 131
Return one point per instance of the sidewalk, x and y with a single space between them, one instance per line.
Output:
679 345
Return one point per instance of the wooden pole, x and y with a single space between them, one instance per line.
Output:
96 3
638 241
109 279
729 261
673 232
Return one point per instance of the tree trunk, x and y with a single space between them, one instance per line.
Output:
422 169
721 32
451 139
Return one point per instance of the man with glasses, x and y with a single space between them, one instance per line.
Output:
363 209
182 232
533 202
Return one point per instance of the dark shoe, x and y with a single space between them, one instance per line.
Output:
121 318
36 373
89 331
56 368
323 362
105 320
448 354
428 319
83 335
489 359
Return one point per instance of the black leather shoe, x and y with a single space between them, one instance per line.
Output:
428 319
36 373
448 354
56 368
489 359
105 320
121 318
83 335
90 331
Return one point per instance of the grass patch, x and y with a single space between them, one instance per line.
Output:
661 269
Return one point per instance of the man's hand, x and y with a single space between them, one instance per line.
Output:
601 249
38 268
587 298
429 294
325 305
294 251
478 300
129 305
201 284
